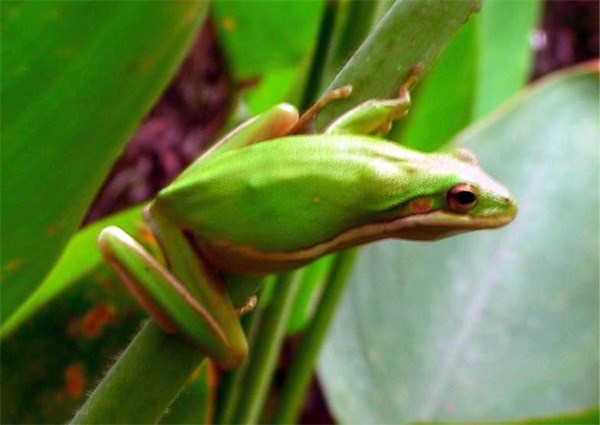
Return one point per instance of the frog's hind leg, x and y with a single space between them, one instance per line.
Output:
171 302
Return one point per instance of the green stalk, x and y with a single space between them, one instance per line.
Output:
301 370
263 359
141 371
353 22
230 387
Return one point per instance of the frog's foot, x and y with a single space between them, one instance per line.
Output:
329 97
415 73
376 116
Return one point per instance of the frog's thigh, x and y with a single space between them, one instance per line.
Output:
167 300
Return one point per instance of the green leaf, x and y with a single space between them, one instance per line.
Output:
66 348
266 50
253 34
195 404
591 417
313 277
80 257
76 79
505 56
449 106
494 325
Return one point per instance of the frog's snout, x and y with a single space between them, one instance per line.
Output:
511 208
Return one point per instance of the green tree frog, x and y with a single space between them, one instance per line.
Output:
267 199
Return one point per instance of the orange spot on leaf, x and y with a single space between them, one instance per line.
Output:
14 264
75 380
95 320
106 284
228 24
53 229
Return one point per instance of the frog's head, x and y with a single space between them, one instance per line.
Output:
455 196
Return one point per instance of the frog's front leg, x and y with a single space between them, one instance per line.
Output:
208 320
376 115
329 97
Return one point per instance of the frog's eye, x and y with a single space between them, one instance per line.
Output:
461 198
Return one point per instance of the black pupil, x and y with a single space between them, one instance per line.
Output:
464 197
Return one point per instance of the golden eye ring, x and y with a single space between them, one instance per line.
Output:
461 198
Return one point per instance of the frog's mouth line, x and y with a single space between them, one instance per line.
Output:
421 227
441 224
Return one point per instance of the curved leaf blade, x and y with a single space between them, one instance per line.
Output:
80 257
77 78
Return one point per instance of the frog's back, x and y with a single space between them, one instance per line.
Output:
287 193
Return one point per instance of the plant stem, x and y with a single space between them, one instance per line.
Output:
301 370
141 385
263 360
230 389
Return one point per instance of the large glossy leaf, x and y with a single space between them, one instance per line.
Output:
76 79
496 325
584 417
